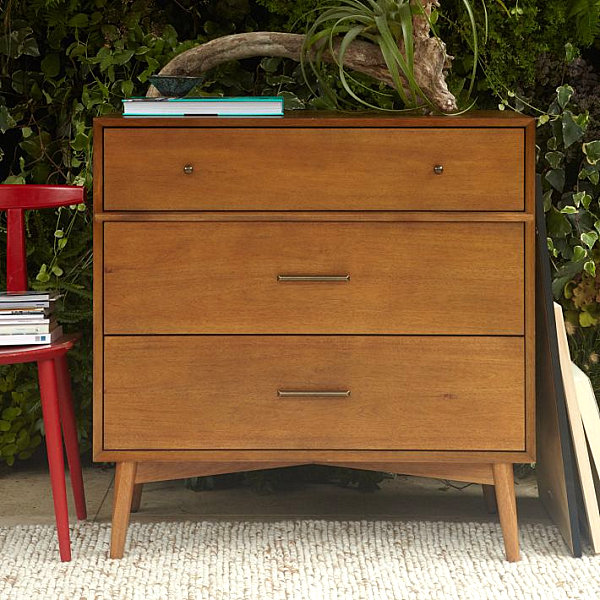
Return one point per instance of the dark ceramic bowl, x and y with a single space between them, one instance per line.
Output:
174 86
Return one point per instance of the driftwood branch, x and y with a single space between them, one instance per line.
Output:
431 60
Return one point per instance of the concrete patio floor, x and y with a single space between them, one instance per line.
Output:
26 499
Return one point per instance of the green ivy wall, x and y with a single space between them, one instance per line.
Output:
63 62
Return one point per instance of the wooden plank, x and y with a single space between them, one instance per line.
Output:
555 468
467 472
330 215
581 452
301 169
330 119
226 280
590 415
313 456
163 471
530 351
98 274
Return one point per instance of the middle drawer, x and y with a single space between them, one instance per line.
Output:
379 278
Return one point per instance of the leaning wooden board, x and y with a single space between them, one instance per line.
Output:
582 458
555 467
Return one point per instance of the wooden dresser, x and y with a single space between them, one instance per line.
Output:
343 290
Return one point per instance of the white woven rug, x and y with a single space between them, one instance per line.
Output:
294 560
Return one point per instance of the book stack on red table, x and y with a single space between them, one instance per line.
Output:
28 318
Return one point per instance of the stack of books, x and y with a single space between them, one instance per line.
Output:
259 106
28 318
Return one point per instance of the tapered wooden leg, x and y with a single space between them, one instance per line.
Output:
507 509
489 496
56 463
69 426
137 497
124 483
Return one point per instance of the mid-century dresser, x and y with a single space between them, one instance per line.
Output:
319 288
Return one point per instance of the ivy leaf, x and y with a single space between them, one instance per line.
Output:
582 198
571 130
127 88
79 20
6 119
592 151
571 52
11 413
542 120
120 58
556 178
51 65
568 210
579 253
589 238
43 275
558 224
564 93
291 101
554 159
586 319
590 172
590 267
29 47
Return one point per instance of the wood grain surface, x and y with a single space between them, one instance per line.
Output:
405 278
314 169
429 393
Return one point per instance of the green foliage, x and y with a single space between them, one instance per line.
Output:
387 24
515 39
20 422
570 168
586 14
61 64
293 15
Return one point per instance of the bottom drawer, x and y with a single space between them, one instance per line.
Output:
378 392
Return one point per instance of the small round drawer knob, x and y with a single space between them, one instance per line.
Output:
188 169
438 169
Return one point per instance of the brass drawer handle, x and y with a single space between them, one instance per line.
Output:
438 169
188 169
313 278
313 393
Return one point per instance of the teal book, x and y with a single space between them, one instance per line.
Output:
250 106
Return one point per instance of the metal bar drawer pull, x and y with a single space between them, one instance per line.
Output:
325 278
313 393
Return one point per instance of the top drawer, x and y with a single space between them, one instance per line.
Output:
314 169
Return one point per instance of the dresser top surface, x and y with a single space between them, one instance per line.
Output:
311 118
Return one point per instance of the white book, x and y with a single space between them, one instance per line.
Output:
26 328
27 296
30 339
24 305
24 313
24 320
590 414
177 107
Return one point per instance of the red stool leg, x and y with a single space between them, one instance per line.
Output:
69 427
50 411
